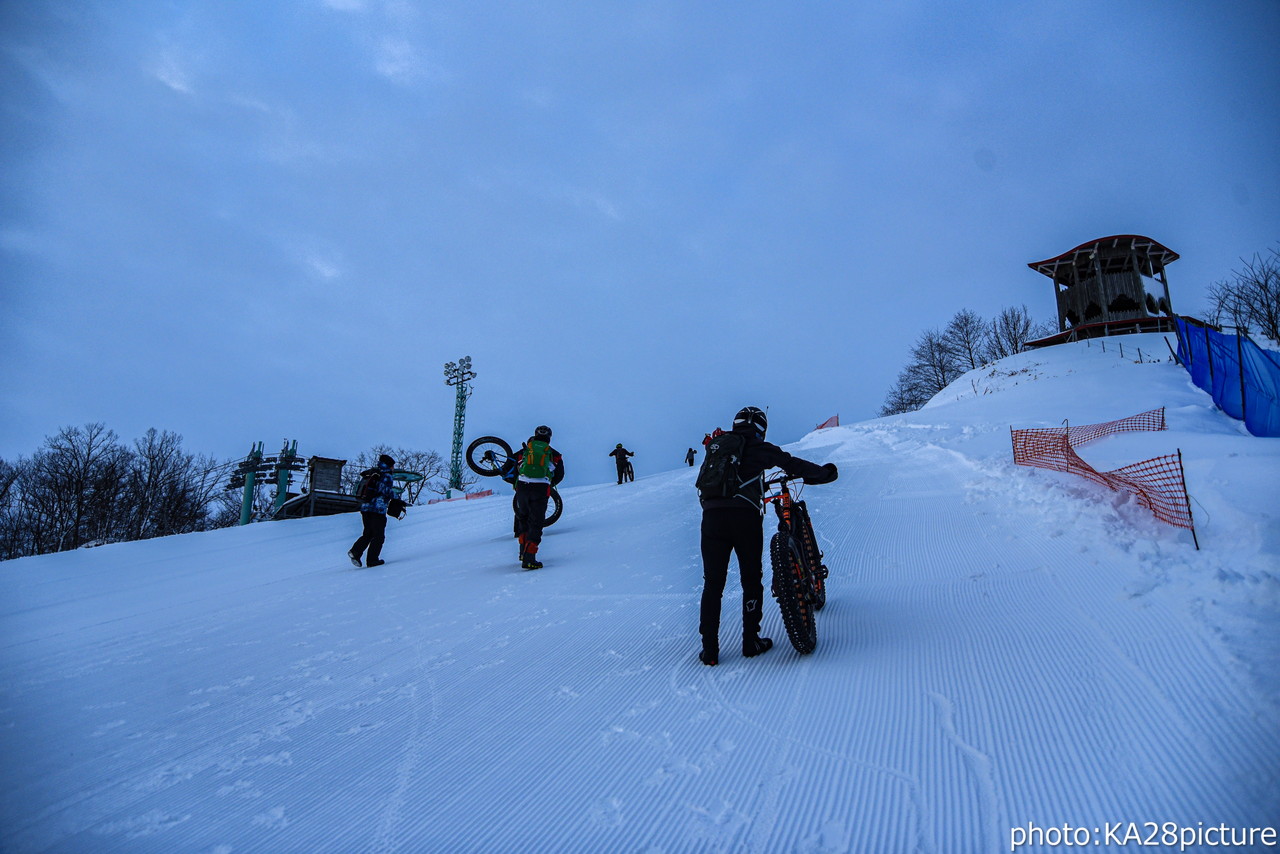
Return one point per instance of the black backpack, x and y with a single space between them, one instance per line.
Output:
718 476
369 482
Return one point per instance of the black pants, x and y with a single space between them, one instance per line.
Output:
531 511
373 536
728 530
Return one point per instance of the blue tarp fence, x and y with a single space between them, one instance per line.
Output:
1243 379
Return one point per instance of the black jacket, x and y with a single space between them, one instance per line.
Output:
759 456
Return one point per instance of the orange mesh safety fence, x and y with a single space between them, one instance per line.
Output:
1158 484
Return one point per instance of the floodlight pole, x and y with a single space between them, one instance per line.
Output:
458 374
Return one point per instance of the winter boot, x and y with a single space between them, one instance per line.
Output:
373 561
355 559
529 559
710 654
753 646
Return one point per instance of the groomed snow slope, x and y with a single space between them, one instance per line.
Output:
1001 646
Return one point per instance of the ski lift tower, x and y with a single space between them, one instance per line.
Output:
458 374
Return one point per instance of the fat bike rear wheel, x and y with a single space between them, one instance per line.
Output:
555 506
488 455
791 591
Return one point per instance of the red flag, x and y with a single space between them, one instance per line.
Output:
833 421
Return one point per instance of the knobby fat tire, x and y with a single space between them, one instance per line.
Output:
475 455
788 588
555 505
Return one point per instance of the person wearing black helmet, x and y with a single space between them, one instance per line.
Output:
373 513
538 465
731 525
620 455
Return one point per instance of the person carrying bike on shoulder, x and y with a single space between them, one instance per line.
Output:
537 464
731 492
620 455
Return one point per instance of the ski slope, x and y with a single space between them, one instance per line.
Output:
1002 647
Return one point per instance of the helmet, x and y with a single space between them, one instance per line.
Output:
543 432
619 445
753 416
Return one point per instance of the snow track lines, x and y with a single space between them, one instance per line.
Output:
989 656
1158 483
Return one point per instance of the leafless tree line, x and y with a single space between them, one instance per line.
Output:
1250 298
939 357
85 487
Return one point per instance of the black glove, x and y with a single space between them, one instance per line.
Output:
829 473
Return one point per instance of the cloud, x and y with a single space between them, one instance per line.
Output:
322 267
400 61
169 72
592 200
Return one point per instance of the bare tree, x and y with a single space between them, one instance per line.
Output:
931 369
966 340
905 396
1009 332
169 490
74 487
1251 298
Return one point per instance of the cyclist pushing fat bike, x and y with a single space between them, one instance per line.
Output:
622 458
732 490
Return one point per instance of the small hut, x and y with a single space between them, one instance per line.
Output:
322 495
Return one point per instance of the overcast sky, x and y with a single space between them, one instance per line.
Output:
247 222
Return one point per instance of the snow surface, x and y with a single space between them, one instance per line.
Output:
1001 646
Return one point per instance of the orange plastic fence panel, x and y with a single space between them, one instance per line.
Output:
1158 484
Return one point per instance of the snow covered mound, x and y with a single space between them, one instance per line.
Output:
1003 648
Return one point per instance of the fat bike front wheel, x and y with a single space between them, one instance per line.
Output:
791 590
817 574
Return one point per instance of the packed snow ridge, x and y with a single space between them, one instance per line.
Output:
1003 649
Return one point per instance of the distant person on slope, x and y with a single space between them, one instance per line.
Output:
731 490
537 466
376 493
620 455
690 457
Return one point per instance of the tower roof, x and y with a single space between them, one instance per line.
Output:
1112 252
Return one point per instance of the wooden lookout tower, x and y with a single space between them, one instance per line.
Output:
1101 288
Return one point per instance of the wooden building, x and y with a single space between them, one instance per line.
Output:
1101 288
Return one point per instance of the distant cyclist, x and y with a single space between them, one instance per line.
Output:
732 506
537 464
620 454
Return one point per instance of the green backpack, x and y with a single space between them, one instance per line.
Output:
537 460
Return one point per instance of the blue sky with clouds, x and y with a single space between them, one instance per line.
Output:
252 221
